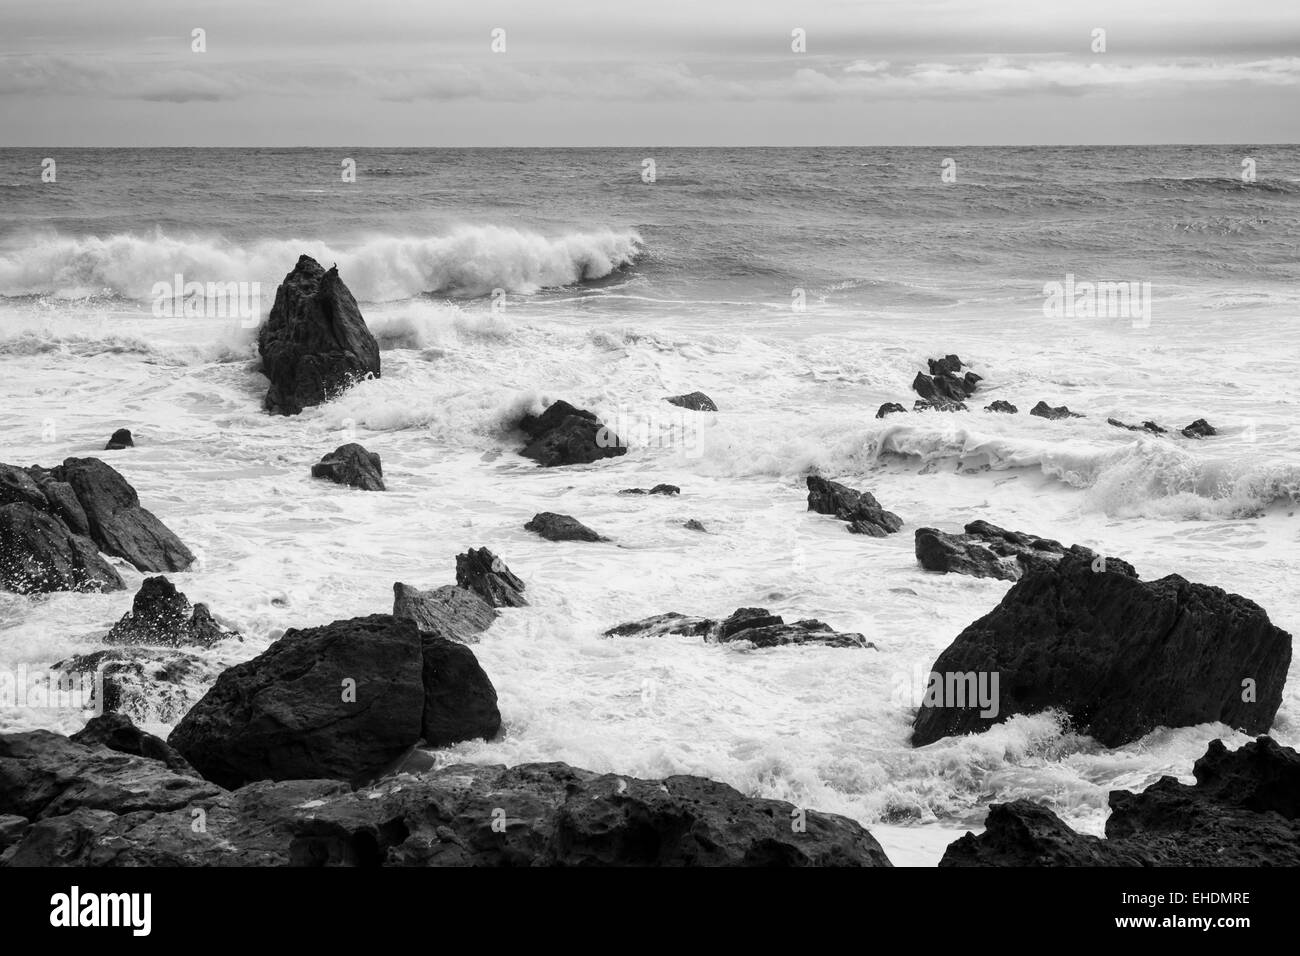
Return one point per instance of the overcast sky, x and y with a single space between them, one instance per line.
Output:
661 72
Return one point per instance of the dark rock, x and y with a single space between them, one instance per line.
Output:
147 684
482 572
1119 656
121 439
450 612
693 525
695 401
160 614
939 405
63 503
565 435
460 702
1151 427
987 551
1243 810
38 553
754 624
656 490
352 465
945 386
555 527
117 522
315 343
12 830
859 508
948 365
337 701
116 732
18 487
1002 406
1200 429
1043 410
889 408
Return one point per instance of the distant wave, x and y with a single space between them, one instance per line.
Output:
466 262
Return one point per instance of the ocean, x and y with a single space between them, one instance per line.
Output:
800 289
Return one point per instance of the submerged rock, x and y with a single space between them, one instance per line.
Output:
694 525
754 624
556 527
656 490
482 572
38 553
451 612
1004 407
695 401
1119 656
1199 429
351 465
162 615
119 440
859 508
1043 410
1243 810
566 435
1151 427
889 408
315 343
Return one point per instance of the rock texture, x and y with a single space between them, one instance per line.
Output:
695 401
460 702
450 612
565 435
1119 656
117 733
147 684
859 508
987 551
754 624
351 465
315 343
482 572
162 615
555 527
1244 810
39 553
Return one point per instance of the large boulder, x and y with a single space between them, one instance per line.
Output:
859 508
39 553
450 612
1119 656
162 615
314 344
566 435
337 701
756 625
351 465
556 527
482 572
460 702
117 522
987 551
1243 810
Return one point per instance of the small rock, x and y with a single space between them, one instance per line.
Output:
693 525
695 401
565 435
556 527
351 465
859 508
162 615
121 439
889 408
1151 427
482 572
1002 406
1043 410
656 490
1200 429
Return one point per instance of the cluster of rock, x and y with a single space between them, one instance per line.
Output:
566 435
860 509
753 624
986 551
160 615
54 522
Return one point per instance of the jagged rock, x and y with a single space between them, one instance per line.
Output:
460 702
18 487
117 522
337 701
945 385
693 525
482 572
889 408
1002 406
1043 410
1199 429
754 624
565 435
352 465
695 401
38 553
450 612
921 405
147 684
656 490
1151 427
1243 810
987 551
556 527
160 614
315 343
859 508
62 500
1119 656
553 815
121 439
116 732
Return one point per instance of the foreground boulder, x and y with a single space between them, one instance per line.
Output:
450 612
1119 656
1043 410
120 439
351 465
1243 810
566 435
39 553
460 702
482 572
695 401
338 701
67 804
314 344
859 508
556 527
162 615
987 551
754 624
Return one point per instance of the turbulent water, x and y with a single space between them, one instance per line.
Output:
499 279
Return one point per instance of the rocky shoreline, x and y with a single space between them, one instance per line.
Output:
318 751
